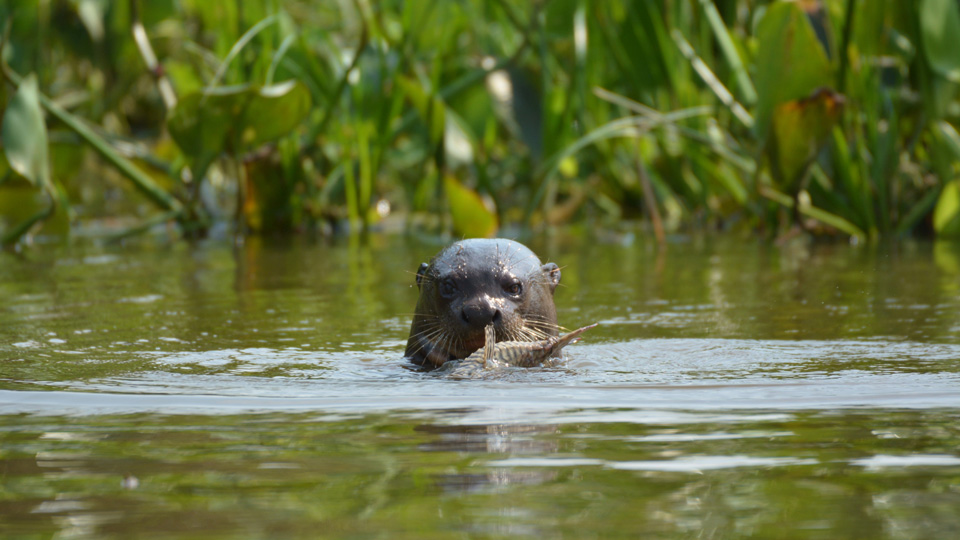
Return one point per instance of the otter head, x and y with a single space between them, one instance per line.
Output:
472 284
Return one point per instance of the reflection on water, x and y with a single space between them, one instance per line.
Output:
889 473
733 389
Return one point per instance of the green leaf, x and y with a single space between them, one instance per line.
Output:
19 200
791 62
431 108
4 166
244 40
920 210
850 181
940 34
946 216
823 216
201 122
22 206
274 111
25 134
92 13
946 255
950 138
186 80
800 129
833 220
729 49
143 182
3 90
474 109
235 119
868 17
471 217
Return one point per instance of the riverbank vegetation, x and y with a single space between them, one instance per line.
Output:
287 116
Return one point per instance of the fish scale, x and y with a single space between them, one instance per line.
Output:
512 353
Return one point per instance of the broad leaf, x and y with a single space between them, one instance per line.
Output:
791 62
272 112
236 119
3 101
92 14
946 254
800 129
431 108
951 139
946 216
201 122
471 217
25 134
940 32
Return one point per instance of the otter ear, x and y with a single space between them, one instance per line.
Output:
421 273
552 271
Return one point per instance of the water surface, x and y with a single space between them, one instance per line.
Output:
733 389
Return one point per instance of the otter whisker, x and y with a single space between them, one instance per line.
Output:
418 349
535 333
436 344
422 343
544 325
427 337
547 328
513 263
431 333
519 249
448 341
537 317
521 334
444 326
429 326
427 277
442 350
429 316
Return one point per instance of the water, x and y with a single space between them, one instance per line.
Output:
732 389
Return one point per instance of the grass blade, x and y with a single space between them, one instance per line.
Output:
140 179
711 80
729 50
238 46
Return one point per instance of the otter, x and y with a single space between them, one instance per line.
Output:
475 283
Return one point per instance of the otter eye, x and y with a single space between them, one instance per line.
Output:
514 288
448 288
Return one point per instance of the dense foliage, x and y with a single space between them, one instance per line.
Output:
837 116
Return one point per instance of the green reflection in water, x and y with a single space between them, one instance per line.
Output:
304 318
796 476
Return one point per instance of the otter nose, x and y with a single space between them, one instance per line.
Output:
480 313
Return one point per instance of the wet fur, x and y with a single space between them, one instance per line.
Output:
479 268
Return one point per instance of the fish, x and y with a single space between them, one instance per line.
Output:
512 353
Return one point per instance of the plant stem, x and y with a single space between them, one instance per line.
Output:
150 58
142 182
845 45
650 200
13 235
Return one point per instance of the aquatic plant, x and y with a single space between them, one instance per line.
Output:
292 115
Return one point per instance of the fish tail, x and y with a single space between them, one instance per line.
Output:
574 336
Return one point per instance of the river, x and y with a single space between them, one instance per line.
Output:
732 389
